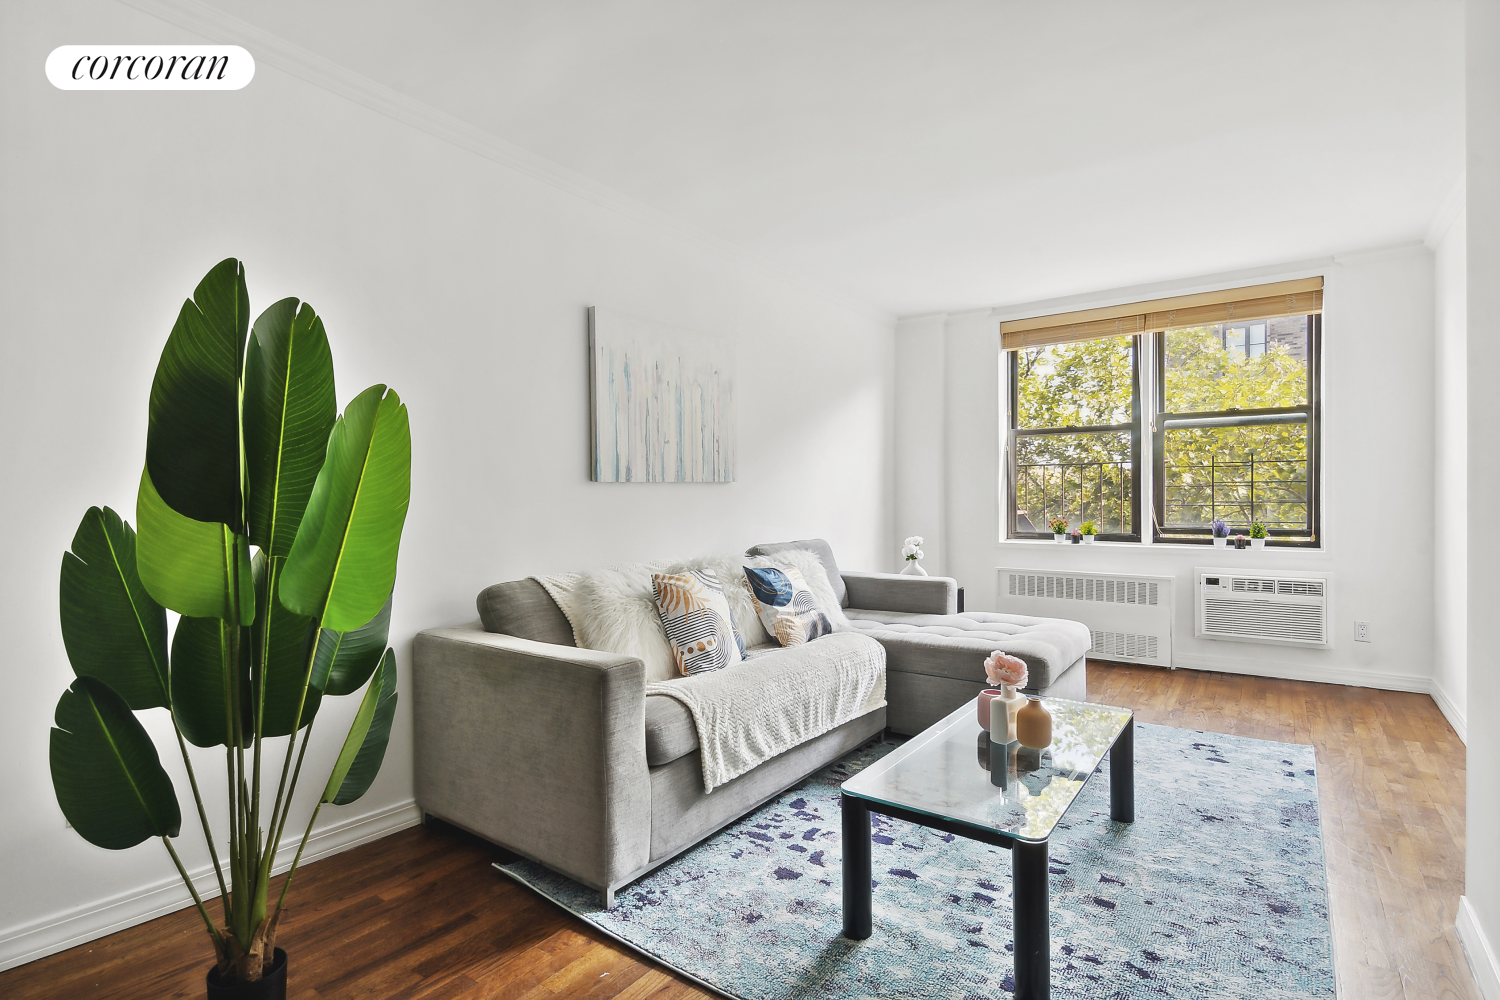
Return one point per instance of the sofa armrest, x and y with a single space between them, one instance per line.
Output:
538 747
920 595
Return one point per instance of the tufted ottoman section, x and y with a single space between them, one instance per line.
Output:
934 663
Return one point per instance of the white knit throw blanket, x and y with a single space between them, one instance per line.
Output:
751 711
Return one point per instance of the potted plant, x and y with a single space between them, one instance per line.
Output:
911 552
1257 535
1221 533
1088 529
271 524
1059 528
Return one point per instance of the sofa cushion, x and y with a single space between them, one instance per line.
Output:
696 618
524 609
819 547
956 645
670 732
786 605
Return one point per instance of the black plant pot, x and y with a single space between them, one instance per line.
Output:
272 986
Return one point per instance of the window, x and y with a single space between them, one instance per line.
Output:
1219 391
1236 429
1077 436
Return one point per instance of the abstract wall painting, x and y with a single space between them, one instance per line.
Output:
662 402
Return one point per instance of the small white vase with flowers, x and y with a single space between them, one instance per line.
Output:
1006 673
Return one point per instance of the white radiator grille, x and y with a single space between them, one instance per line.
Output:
1123 645
1129 618
1083 588
1246 585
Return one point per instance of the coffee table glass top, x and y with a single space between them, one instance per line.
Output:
945 771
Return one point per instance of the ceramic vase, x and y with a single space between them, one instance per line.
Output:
1005 708
1059 537
1220 542
1033 725
1088 539
913 567
1257 543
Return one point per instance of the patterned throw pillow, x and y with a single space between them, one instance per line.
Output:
696 618
786 605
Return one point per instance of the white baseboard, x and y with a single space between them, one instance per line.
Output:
1477 947
58 932
1452 713
1269 666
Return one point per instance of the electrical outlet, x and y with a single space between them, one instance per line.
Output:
1361 631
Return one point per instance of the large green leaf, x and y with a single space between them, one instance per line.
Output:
105 771
201 667
361 729
283 642
367 761
186 565
343 562
346 660
193 437
289 409
111 627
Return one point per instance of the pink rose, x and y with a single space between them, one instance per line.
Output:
1003 669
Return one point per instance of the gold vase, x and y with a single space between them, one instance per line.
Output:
1034 725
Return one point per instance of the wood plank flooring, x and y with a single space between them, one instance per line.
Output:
421 916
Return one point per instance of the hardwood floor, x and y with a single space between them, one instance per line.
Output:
421 916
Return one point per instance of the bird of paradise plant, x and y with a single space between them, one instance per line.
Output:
245 451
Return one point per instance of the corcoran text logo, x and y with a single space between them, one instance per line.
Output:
149 67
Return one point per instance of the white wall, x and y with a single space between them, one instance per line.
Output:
460 282
1450 500
1479 913
1378 466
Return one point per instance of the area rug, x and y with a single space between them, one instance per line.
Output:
1216 890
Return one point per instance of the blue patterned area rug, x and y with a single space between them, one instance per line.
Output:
1216 890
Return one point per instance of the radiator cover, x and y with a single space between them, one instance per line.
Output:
1129 616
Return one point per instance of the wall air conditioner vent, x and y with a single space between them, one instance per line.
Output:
1289 610
1129 617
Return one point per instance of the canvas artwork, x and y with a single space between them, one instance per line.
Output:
662 401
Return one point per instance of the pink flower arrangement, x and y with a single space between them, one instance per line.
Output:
1003 669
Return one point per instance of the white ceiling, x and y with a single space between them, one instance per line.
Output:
943 155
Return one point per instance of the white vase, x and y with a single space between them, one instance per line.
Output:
1003 714
913 567
1059 537
1257 543
1220 542
1088 539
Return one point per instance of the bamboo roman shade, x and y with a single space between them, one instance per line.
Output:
1281 298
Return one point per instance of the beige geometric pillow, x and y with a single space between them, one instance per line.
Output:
696 618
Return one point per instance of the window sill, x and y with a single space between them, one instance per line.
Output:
1156 546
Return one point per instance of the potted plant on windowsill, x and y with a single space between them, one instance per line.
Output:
1088 529
245 450
1059 528
1221 534
1257 535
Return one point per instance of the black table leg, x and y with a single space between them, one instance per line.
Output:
1028 867
858 904
1122 776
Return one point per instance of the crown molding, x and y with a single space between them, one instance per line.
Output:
272 50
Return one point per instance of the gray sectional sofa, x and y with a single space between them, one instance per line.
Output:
557 753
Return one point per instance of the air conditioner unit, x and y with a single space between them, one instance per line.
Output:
1130 617
1283 608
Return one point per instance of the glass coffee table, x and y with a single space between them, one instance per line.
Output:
952 778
